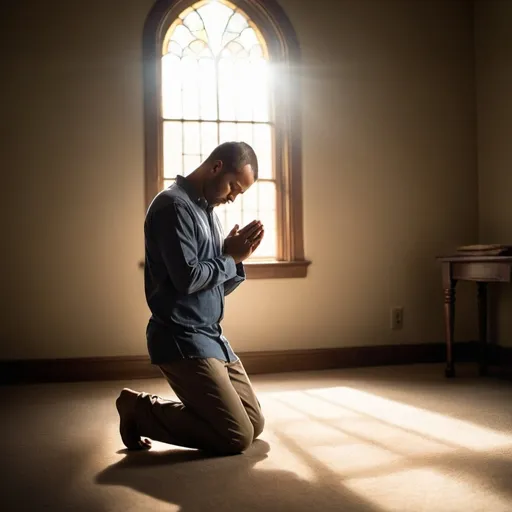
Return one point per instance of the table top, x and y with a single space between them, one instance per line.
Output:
462 258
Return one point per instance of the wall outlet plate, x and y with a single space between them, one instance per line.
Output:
397 318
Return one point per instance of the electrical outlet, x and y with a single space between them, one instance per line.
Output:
397 318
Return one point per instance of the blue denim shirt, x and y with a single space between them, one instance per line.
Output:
186 277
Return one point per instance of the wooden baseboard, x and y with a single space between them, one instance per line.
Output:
504 360
505 355
139 367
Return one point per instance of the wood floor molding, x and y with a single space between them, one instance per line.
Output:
139 367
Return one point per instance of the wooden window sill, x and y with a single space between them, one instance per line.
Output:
272 269
276 269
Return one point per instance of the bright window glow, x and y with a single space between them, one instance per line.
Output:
394 456
215 88
353 457
434 426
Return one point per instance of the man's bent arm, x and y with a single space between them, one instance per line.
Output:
173 230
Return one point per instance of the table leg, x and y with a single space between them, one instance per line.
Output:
449 318
482 327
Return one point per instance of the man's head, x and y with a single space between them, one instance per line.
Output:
230 170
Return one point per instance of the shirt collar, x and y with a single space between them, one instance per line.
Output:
192 193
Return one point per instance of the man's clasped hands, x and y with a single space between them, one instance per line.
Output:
241 243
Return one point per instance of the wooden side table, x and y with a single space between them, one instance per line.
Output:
482 270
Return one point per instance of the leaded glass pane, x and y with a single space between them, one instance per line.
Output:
173 149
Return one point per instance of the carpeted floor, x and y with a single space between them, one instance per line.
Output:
397 439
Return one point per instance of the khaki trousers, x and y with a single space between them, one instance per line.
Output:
218 412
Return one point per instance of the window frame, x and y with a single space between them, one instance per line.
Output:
284 53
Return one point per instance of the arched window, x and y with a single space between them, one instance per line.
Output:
217 71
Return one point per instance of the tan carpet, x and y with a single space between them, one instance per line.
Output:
376 439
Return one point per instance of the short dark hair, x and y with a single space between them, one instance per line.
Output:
234 156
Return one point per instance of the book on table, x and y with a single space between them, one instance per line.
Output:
485 250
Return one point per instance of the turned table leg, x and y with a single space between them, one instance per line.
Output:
449 317
482 327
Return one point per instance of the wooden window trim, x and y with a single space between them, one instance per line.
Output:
284 53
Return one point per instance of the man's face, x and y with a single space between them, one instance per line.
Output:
225 186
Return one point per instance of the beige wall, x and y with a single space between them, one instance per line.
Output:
493 37
390 178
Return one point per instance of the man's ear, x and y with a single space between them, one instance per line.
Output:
217 166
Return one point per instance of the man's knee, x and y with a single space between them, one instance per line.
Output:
239 441
236 441
258 426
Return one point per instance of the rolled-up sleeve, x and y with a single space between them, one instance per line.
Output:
172 229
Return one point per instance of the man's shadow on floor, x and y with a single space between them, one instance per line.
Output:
196 482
